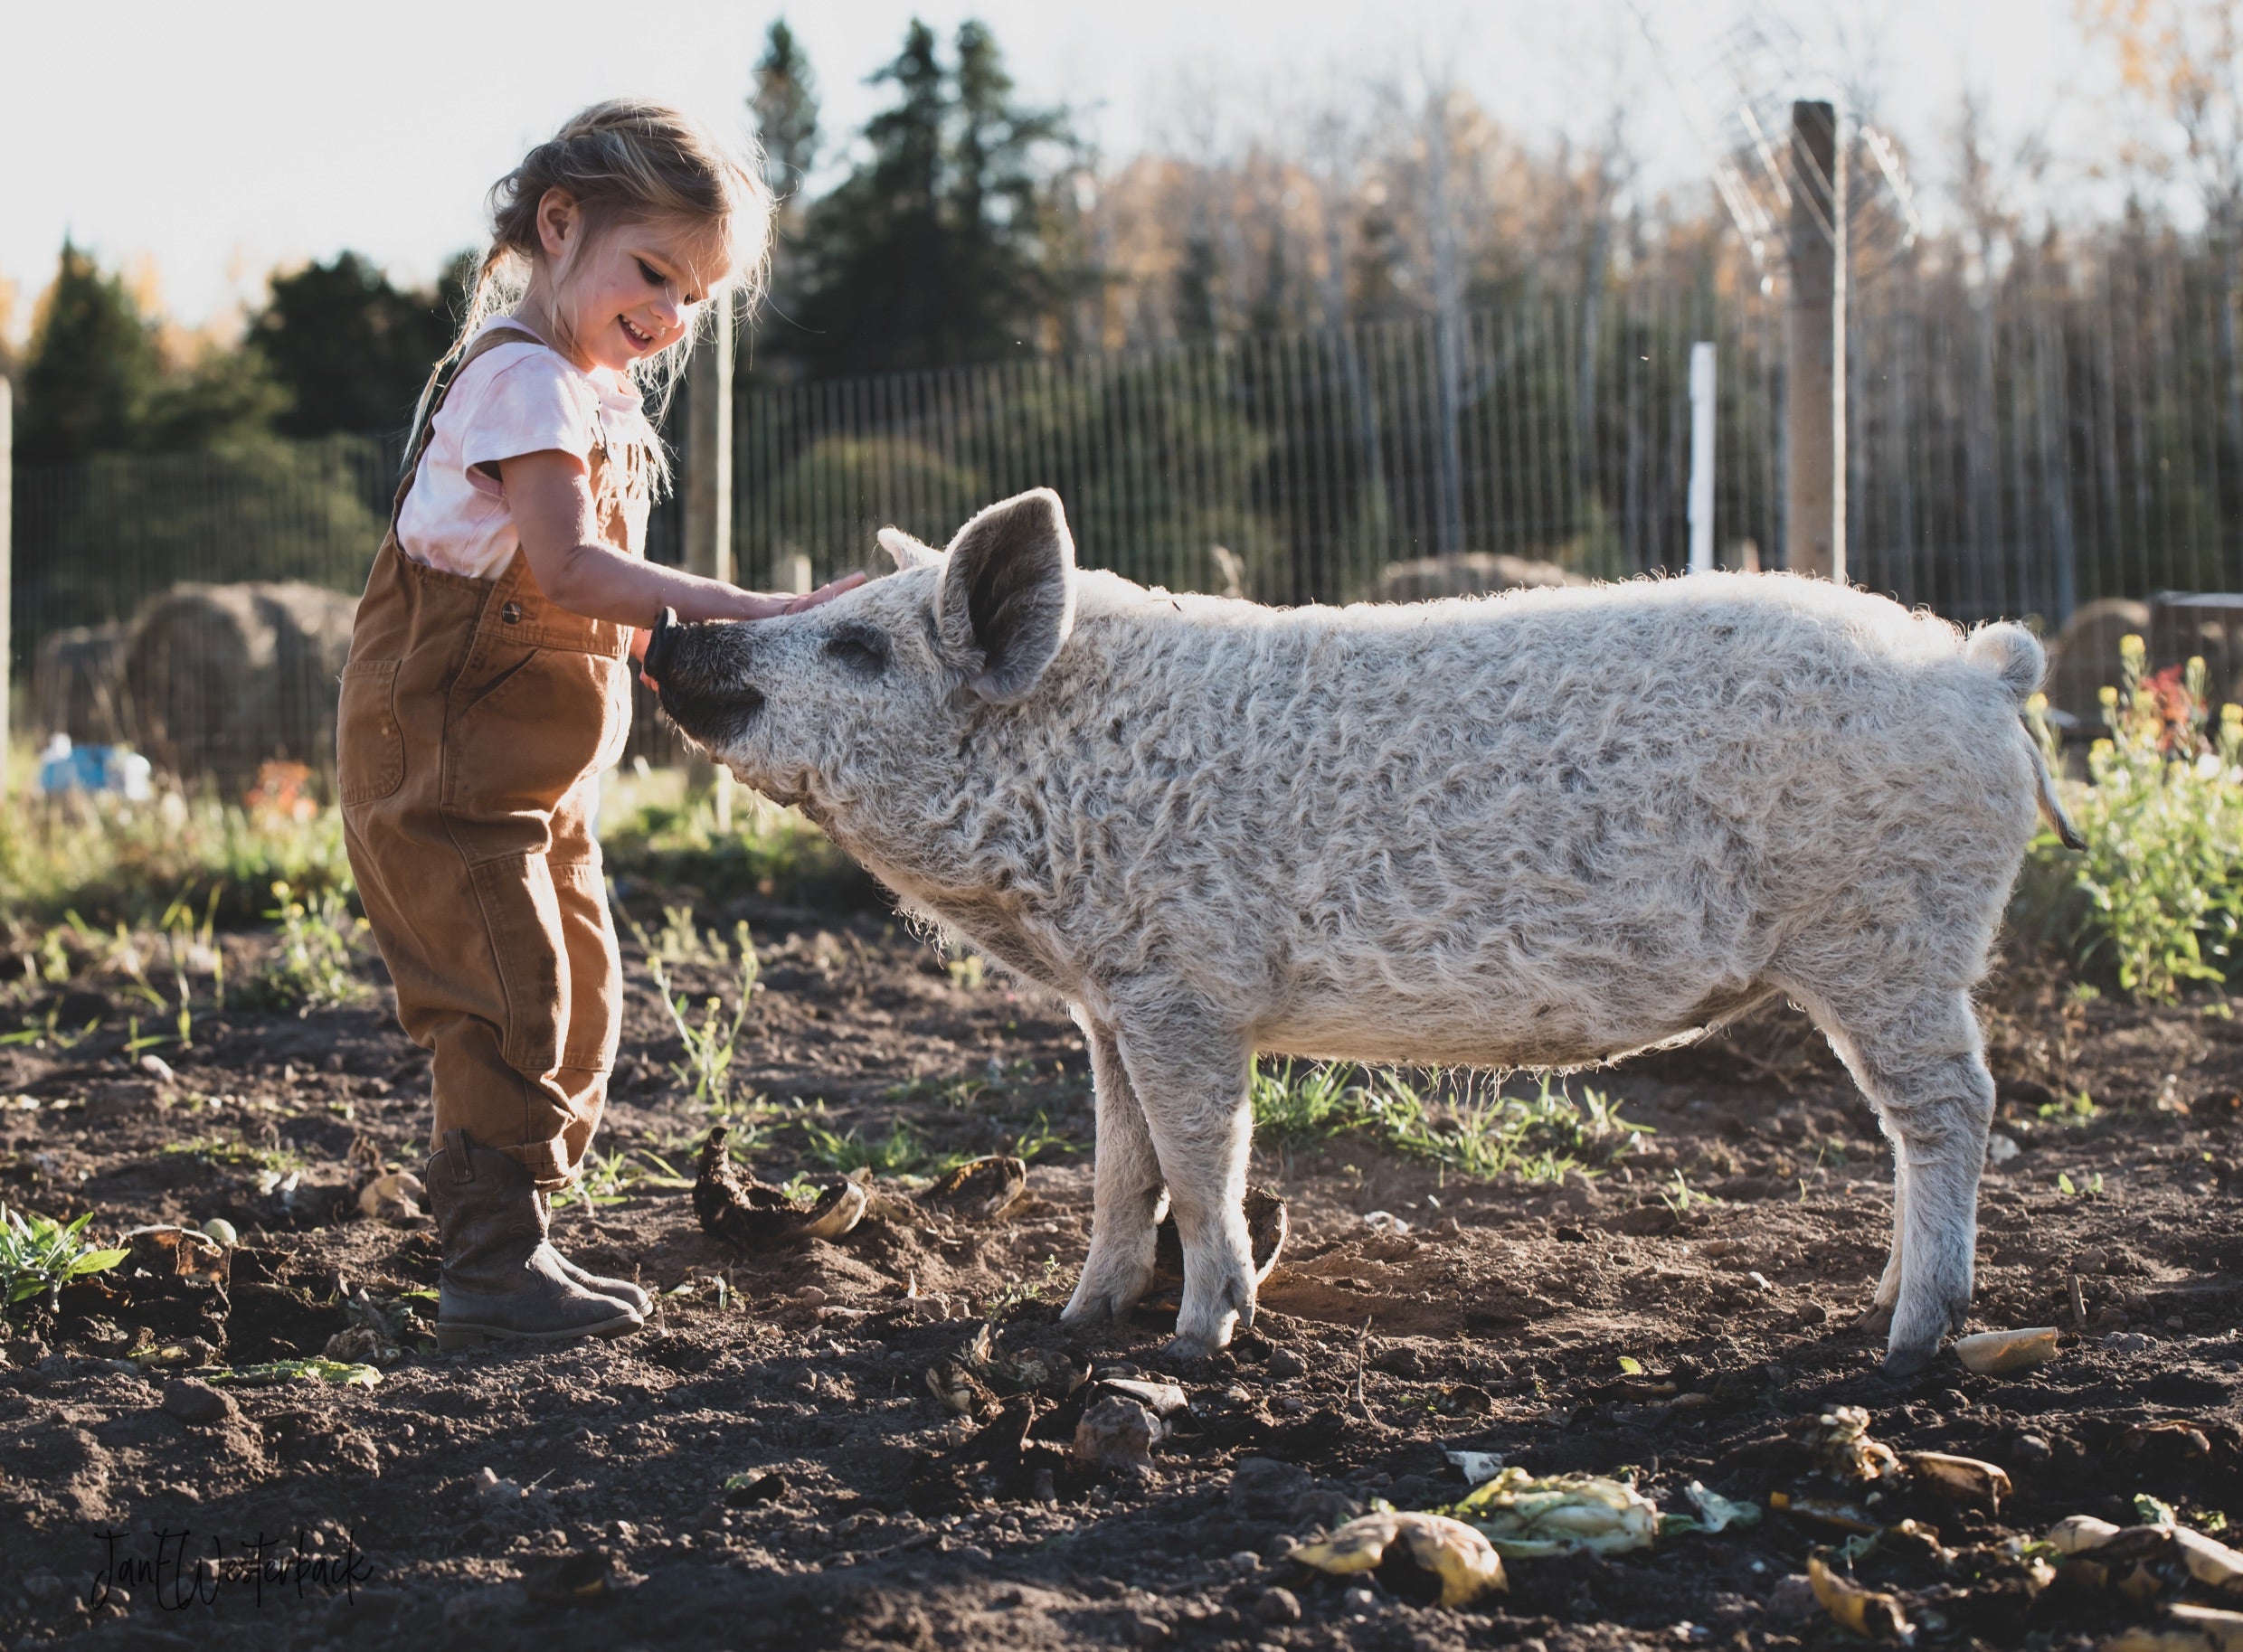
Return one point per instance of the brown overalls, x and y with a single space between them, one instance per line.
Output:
475 718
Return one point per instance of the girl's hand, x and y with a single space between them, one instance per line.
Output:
550 500
755 605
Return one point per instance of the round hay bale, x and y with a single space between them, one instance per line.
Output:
77 687
1470 573
2083 660
221 678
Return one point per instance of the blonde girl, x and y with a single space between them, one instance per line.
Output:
487 683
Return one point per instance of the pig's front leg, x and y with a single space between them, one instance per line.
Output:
1125 1207
1191 1076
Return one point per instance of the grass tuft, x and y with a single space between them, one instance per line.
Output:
1541 1138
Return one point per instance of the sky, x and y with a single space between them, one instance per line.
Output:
210 143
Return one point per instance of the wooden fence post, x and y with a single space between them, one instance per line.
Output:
1814 373
708 499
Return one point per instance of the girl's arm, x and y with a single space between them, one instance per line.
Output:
549 497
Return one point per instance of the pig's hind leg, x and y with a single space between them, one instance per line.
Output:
1125 1207
1191 1075
1923 1066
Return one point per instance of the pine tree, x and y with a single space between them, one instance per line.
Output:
351 349
944 245
785 107
92 368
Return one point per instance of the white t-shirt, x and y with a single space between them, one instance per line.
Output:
513 399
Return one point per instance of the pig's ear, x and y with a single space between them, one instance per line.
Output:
1007 596
909 553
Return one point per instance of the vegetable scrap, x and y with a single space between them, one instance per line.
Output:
1467 1563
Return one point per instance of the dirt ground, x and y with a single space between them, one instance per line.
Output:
581 1497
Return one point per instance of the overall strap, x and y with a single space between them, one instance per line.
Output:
490 340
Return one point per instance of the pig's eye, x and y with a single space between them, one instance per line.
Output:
861 648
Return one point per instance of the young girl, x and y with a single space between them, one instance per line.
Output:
486 685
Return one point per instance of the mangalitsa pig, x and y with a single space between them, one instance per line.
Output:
1536 830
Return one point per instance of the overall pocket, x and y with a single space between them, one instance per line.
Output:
534 726
369 745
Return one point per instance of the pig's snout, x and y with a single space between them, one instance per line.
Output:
658 644
703 672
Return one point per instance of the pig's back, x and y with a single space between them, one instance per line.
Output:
1567 821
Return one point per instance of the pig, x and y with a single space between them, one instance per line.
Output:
1536 830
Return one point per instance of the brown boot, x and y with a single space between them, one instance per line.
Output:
622 1291
502 1281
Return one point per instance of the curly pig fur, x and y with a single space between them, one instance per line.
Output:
1540 829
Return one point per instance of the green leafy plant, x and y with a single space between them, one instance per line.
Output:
1039 1138
1679 1196
899 1153
38 1256
2156 898
1541 1138
612 1178
709 1047
311 966
238 1154
112 859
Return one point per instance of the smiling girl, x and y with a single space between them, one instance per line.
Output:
486 685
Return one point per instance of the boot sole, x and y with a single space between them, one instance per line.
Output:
450 1336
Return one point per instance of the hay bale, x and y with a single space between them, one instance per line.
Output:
221 678
1468 574
77 687
2083 660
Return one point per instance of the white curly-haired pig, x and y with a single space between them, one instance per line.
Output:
1537 830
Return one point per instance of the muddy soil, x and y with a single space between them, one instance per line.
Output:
767 1465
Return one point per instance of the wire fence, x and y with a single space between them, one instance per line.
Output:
2021 445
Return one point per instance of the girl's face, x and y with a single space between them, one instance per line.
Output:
624 291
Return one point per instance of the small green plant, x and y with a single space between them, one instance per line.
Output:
311 966
192 945
613 1178
899 1153
2156 898
1541 1138
2092 1188
1291 1106
1039 1138
38 1256
681 940
1022 1291
50 1031
1679 1196
240 1154
2069 1110
709 1047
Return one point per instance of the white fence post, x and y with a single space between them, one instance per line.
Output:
7 564
1702 458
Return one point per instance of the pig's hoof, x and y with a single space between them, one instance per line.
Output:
1187 1350
1901 1364
1094 1309
1877 1320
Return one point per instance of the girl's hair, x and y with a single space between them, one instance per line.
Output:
624 161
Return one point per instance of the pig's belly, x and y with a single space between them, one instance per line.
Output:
1497 1029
